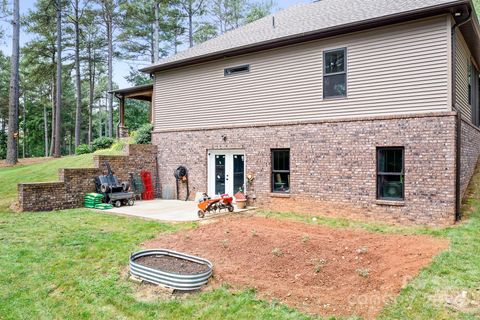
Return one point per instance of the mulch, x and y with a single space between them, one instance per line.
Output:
316 269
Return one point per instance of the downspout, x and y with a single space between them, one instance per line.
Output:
458 193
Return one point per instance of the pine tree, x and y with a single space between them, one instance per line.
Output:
12 142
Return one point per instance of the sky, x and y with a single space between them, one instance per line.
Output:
121 68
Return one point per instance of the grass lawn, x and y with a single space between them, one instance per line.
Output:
71 265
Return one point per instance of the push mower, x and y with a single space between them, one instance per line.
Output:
208 205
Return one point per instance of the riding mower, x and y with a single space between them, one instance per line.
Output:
114 192
208 205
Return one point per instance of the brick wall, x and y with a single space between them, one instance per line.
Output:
75 183
333 164
470 151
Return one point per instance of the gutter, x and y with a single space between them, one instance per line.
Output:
458 192
312 35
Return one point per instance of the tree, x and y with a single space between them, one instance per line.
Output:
258 10
12 141
76 19
109 13
58 95
190 10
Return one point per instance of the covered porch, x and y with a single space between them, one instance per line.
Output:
142 93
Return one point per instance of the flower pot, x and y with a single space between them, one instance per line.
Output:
241 204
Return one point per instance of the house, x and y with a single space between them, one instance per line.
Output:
341 107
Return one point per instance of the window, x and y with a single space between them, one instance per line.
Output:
390 173
335 73
281 170
235 70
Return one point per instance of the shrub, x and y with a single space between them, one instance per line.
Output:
83 149
143 135
102 143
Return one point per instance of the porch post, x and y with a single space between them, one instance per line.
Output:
122 111
150 113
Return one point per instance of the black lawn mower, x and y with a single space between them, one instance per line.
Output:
115 193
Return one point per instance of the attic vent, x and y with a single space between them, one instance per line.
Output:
234 70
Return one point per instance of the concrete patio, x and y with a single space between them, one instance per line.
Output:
163 210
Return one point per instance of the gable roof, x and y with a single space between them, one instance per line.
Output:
307 22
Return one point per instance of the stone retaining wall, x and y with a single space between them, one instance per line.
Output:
75 183
333 164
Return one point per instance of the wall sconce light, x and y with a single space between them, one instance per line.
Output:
250 177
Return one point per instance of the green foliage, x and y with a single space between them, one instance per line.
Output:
143 135
119 145
102 143
83 149
3 145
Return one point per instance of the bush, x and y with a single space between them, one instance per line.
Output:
143 135
83 149
102 143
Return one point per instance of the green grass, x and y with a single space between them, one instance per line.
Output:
72 264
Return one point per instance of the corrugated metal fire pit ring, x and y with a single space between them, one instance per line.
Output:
169 279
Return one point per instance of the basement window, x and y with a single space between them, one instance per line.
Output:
235 70
390 173
335 73
281 170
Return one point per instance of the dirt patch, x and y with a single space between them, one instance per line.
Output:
172 264
316 269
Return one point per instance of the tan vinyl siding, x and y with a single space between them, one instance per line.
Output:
393 70
462 61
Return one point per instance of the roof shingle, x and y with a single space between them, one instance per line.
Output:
304 18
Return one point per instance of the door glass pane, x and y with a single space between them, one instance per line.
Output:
219 174
238 173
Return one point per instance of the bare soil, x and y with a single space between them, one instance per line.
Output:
317 269
172 264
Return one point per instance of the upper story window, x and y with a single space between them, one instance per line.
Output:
335 73
235 70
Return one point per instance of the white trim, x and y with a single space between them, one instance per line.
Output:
229 153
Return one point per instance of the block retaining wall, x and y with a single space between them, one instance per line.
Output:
68 193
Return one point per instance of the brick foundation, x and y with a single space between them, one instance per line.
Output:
333 165
75 183
470 151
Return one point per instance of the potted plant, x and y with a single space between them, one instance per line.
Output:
241 199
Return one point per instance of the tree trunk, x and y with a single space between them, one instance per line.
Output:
110 75
24 122
53 93
78 84
45 128
156 32
12 140
190 23
58 99
91 82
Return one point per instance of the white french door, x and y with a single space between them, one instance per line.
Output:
226 172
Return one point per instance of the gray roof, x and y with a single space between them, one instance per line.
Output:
303 19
